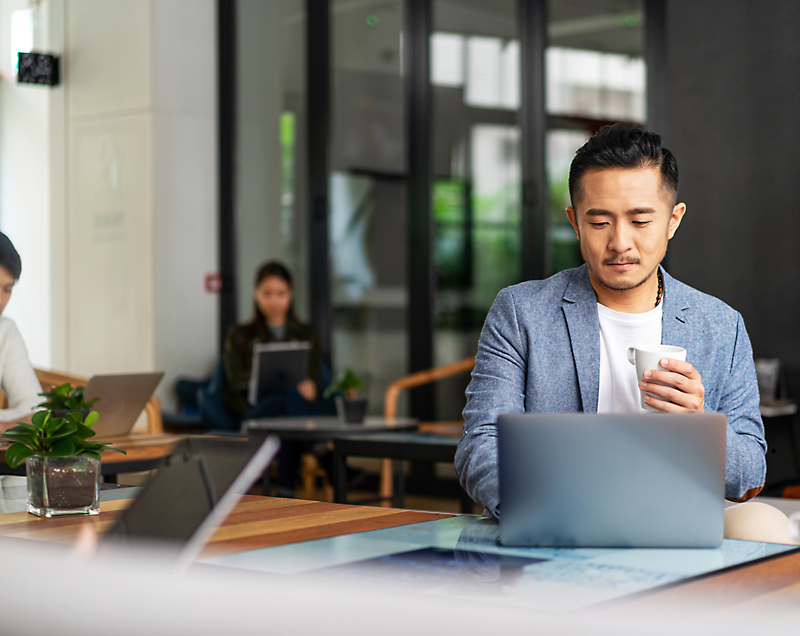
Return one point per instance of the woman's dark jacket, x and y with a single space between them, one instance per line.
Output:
238 359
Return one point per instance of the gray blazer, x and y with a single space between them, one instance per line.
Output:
539 350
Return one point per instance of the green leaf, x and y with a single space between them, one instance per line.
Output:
91 418
80 443
99 447
91 402
10 433
62 390
84 431
62 448
75 417
67 429
53 424
39 418
16 454
23 438
22 426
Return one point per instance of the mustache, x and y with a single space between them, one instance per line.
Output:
611 261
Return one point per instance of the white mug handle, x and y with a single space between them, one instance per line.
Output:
632 355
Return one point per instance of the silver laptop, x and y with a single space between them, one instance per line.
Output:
188 499
589 480
122 399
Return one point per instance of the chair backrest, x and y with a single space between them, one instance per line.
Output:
50 379
418 379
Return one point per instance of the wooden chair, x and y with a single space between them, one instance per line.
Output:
49 379
391 396
310 471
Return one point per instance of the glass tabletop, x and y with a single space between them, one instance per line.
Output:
461 557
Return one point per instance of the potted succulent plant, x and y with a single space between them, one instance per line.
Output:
350 406
62 463
60 400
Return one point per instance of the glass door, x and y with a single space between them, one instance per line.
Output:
368 249
595 75
477 212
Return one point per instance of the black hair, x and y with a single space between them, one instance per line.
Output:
259 321
623 146
9 257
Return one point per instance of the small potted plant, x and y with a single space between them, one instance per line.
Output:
350 406
60 400
62 463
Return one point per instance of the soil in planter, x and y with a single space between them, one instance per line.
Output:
66 488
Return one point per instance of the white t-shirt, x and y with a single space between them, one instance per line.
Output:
619 386
17 377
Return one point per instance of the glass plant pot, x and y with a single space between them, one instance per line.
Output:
63 485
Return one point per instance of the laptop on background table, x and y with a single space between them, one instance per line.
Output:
589 480
122 399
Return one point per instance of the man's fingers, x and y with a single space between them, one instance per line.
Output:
679 366
661 405
668 377
691 400
668 393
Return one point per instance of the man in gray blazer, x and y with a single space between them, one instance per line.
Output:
559 344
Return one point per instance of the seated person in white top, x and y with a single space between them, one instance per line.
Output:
17 378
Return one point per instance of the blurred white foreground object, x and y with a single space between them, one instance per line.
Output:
794 526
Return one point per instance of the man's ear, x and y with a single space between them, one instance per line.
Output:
675 218
573 219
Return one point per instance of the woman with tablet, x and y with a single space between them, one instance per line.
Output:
17 378
273 321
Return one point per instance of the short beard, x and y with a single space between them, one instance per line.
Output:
623 287
626 286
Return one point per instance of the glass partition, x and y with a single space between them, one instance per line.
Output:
367 194
475 73
270 181
595 75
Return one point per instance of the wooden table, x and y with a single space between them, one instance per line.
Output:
256 522
144 451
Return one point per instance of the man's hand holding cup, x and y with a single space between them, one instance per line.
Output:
667 382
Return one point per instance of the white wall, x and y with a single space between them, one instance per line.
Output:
27 195
186 191
108 75
108 187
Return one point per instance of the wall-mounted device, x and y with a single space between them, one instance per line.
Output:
38 68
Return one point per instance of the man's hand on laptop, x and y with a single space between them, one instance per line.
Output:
683 393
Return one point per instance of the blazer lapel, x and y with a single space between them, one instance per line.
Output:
580 311
674 323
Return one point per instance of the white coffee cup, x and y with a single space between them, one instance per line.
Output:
648 358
